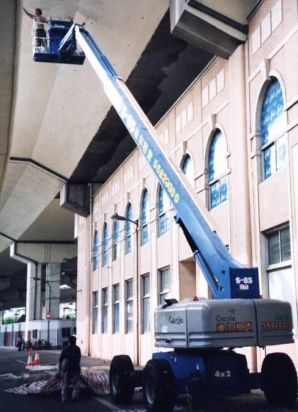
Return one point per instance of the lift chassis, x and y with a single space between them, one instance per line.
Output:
201 334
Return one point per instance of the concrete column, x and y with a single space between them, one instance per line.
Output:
52 297
31 291
38 303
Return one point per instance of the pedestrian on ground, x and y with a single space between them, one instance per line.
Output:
20 342
69 365
39 31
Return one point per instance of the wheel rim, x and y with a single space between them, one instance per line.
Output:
150 390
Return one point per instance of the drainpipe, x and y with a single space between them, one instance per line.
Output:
244 77
89 288
137 295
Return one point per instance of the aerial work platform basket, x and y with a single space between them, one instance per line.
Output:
50 49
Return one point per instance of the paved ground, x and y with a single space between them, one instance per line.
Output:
13 373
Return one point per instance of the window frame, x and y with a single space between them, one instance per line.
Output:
164 292
129 309
145 304
115 240
282 262
280 272
217 181
104 310
163 219
95 251
144 217
272 142
105 245
94 312
116 308
128 229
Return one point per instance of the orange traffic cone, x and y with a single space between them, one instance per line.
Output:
29 361
36 359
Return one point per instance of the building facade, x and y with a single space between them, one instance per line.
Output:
234 134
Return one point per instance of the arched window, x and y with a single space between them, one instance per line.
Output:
115 240
105 245
163 205
273 122
128 229
144 217
95 251
217 170
188 168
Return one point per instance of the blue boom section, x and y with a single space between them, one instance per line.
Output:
226 277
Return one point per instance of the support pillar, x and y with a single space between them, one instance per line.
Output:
37 293
30 296
52 297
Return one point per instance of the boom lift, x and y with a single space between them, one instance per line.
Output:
201 333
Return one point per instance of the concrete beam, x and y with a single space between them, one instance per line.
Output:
208 29
42 252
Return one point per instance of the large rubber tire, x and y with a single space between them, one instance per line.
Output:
121 379
159 386
279 380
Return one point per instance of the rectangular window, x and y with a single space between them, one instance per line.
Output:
164 284
34 334
104 310
116 304
94 311
145 303
279 246
281 285
129 306
281 281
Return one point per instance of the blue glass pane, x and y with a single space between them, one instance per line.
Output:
211 160
269 161
223 189
128 229
105 242
281 153
161 203
144 208
95 251
272 108
214 195
128 245
217 164
116 235
185 164
144 218
188 168
163 224
116 231
144 234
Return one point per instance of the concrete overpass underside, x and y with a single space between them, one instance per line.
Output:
56 124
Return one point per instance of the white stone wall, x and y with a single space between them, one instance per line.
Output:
224 96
